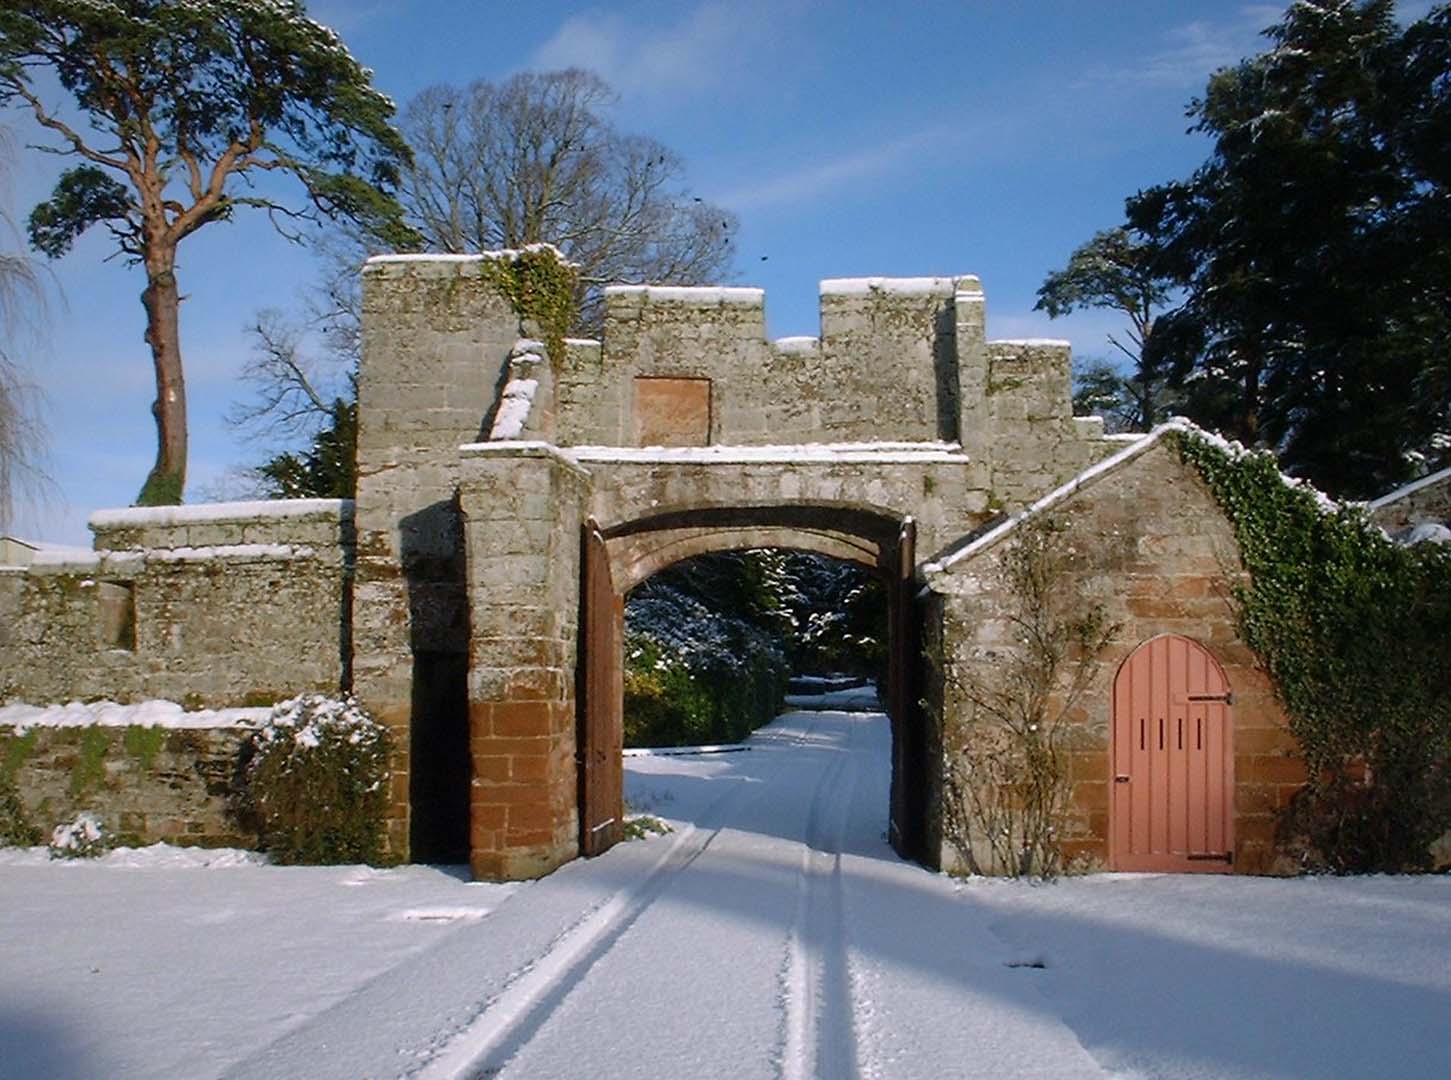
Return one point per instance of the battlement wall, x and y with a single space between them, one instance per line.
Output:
883 367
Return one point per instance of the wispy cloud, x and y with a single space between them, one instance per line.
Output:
705 47
834 174
1188 53
349 16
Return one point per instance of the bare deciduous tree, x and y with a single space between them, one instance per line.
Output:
535 159
22 435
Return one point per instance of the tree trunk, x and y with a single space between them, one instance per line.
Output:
168 476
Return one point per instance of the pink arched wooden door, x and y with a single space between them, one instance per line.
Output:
1173 763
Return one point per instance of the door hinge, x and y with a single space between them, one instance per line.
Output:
1228 698
1213 856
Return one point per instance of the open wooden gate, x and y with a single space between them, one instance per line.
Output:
600 735
1173 763
908 809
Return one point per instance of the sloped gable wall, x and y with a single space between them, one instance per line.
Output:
1153 548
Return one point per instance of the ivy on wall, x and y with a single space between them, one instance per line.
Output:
541 286
1355 632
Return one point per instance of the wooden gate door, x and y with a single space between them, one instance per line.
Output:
600 734
1173 765
908 809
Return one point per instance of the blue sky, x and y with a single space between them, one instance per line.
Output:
850 138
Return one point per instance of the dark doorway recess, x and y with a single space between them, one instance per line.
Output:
438 778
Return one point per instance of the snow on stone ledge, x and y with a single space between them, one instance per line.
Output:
1408 489
691 294
802 453
1140 444
471 257
1033 343
162 714
223 511
903 286
797 344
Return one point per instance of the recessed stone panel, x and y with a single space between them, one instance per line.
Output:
672 412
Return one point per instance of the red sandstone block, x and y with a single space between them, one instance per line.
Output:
532 816
485 839
510 795
1269 769
1089 849
1088 766
1255 830
501 745
1195 587
487 865
1255 799
1261 740
521 718
491 768
1091 795
528 838
488 816
531 768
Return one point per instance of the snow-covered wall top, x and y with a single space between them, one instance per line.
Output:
277 527
222 511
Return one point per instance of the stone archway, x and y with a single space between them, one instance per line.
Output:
615 559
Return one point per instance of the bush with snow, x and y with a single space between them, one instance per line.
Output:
316 777
80 838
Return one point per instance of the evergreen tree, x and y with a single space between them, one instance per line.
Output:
1314 247
328 470
1114 271
192 99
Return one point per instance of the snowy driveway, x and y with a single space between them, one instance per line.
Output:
773 933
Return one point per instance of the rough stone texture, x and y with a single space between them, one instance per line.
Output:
1159 555
524 512
1427 500
145 785
216 605
437 341
478 552
458 628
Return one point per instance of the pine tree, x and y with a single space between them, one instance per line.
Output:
192 99
1314 246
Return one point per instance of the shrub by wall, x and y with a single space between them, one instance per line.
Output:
316 780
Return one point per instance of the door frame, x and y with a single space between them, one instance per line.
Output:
1120 791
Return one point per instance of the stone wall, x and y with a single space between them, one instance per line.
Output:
1154 549
222 604
144 784
437 341
524 508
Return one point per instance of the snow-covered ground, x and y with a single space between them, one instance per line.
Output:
772 934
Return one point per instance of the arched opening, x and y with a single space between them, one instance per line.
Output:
1173 760
617 560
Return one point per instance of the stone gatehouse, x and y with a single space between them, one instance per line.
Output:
508 499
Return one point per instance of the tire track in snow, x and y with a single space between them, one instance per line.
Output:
508 1020
820 1035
